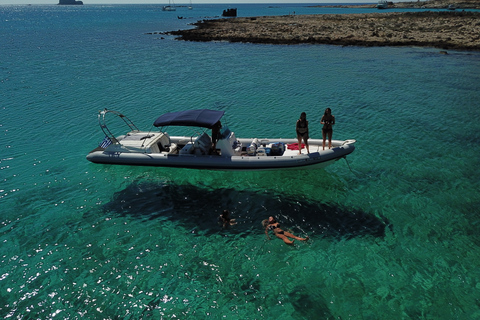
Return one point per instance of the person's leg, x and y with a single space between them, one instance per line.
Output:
324 137
299 144
330 139
285 239
291 235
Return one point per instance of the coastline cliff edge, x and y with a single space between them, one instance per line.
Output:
454 30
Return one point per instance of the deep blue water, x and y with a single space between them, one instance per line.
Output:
394 231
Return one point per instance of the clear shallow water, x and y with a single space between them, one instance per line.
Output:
394 237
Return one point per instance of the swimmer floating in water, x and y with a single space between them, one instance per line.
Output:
272 224
225 219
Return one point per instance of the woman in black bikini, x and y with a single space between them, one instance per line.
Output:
302 132
328 120
272 224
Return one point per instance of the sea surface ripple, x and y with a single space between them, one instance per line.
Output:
393 228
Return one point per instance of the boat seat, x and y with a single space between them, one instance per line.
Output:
229 145
173 148
164 144
187 149
168 149
202 144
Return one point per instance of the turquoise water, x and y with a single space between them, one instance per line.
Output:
394 231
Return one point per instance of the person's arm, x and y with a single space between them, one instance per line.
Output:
321 121
221 221
333 120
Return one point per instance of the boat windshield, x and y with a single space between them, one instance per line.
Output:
224 132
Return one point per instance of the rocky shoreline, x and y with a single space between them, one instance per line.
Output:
453 30
430 4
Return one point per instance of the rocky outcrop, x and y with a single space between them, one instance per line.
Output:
458 30
230 12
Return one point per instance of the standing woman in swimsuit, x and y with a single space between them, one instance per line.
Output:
302 132
328 120
272 224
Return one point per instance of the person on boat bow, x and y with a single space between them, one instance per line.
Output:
328 120
302 132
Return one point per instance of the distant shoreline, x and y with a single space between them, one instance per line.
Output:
453 30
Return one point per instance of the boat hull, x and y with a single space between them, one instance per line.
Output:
316 159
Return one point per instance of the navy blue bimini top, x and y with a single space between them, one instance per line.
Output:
204 118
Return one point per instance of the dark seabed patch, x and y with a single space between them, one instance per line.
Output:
197 209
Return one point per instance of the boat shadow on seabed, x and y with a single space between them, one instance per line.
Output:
197 210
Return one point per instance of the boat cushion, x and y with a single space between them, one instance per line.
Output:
203 143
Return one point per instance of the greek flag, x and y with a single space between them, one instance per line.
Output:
105 143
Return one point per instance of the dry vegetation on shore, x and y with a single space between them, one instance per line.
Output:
459 30
430 4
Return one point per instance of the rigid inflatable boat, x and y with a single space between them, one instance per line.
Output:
147 148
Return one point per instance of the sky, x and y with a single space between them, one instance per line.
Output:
33 2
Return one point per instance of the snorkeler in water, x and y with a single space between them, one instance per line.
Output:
225 219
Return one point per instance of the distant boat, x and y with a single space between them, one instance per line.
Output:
451 7
382 4
70 2
190 7
170 7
